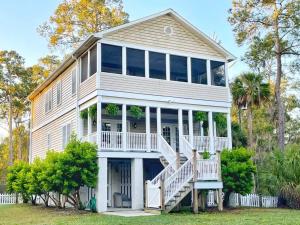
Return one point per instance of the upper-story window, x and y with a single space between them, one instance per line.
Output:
93 60
74 83
178 68
157 65
199 74
58 93
218 73
111 58
84 67
135 62
48 100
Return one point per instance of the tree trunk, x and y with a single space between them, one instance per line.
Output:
250 127
11 157
279 104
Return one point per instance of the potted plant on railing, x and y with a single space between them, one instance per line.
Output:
112 109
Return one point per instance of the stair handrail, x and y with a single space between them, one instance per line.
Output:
164 174
186 148
181 177
167 151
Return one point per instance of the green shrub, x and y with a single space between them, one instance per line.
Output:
112 109
136 111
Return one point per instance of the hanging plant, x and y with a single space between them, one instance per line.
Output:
206 154
93 111
220 120
136 111
200 116
84 114
112 109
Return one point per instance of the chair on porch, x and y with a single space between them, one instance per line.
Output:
121 200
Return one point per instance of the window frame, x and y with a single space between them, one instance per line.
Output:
49 141
144 64
121 61
73 79
66 134
170 66
212 77
87 72
49 99
59 95
165 65
206 71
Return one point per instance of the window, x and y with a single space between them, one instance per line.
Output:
58 93
178 68
217 73
93 60
111 58
135 62
157 65
66 134
199 74
48 101
48 141
84 67
74 82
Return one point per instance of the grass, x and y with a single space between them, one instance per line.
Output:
27 214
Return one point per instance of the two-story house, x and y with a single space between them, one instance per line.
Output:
144 83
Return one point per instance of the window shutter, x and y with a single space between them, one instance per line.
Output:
64 136
73 82
58 93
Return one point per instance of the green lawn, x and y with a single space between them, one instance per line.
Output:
27 214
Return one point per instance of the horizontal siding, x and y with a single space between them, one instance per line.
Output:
39 137
151 33
68 100
141 85
88 86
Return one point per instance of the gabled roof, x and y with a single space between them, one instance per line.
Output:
180 19
94 37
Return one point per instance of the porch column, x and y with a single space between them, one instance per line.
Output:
211 132
101 189
180 127
99 122
191 128
80 126
148 138
137 183
229 135
89 127
158 126
124 127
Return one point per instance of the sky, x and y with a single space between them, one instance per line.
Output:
20 19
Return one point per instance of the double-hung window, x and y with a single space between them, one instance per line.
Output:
48 100
66 134
58 93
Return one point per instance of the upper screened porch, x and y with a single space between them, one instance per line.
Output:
136 69
132 128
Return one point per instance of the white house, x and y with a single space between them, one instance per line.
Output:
145 82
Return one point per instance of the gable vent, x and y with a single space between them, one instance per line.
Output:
168 30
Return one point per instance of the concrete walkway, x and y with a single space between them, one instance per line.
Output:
129 213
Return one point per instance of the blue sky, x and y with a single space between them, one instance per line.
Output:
19 20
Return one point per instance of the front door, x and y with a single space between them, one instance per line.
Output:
171 135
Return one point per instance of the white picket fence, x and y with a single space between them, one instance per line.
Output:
6 198
252 200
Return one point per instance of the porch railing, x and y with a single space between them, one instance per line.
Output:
221 143
201 143
111 140
207 169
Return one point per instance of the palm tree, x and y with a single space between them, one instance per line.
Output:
249 90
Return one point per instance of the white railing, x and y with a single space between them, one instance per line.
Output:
6 198
211 199
111 140
201 143
186 148
207 169
221 143
153 141
175 183
252 200
136 141
166 150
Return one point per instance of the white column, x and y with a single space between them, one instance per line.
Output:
89 127
137 183
191 128
101 189
124 60
147 64
229 135
189 69
226 74
211 132
167 66
148 138
99 122
80 126
124 127
180 127
208 72
98 65
158 126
